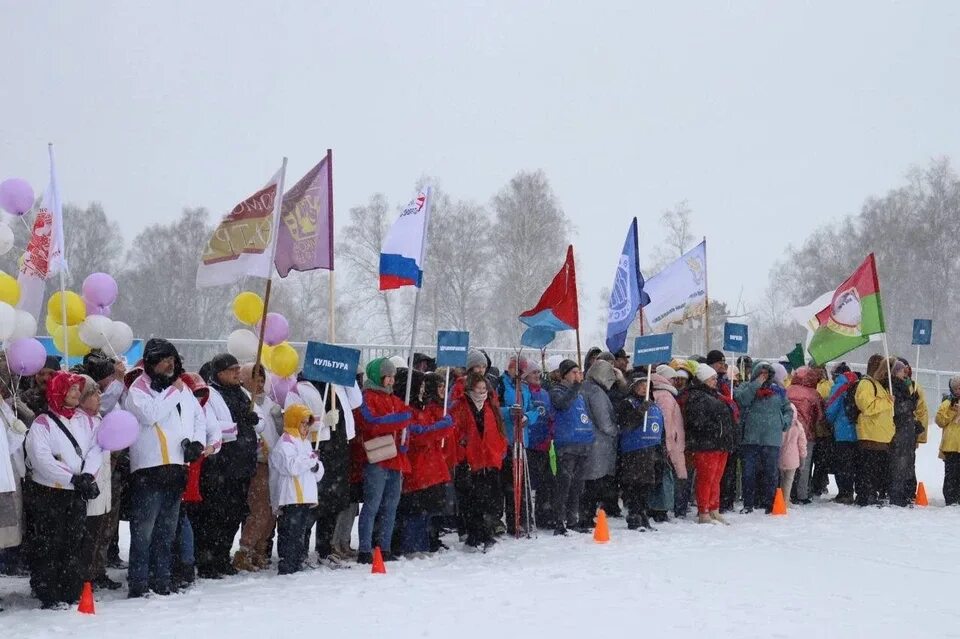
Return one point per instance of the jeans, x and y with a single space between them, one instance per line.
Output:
381 495
184 539
154 513
571 468
767 459
293 528
803 473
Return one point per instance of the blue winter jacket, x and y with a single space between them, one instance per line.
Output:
644 433
572 424
538 433
508 398
843 429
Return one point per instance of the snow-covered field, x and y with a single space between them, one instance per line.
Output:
822 571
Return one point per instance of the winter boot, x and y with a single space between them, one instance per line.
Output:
715 515
243 559
705 518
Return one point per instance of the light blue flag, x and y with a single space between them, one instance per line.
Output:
627 295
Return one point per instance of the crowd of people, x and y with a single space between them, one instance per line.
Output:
222 451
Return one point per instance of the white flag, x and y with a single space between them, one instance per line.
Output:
679 291
243 243
45 255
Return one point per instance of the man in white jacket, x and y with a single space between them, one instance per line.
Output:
171 435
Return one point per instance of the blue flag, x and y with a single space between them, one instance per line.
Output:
922 332
626 296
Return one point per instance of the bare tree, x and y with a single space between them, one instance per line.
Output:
678 224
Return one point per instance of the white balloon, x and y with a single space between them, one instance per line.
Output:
119 338
25 326
6 239
242 344
8 320
95 331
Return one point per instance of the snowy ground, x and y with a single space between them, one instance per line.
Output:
824 570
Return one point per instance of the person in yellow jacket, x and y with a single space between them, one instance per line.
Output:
875 431
948 418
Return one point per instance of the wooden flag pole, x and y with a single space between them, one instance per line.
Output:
271 267
416 299
331 298
706 301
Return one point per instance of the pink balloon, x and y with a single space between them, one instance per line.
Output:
277 329
26 356
100 289
279 387
16 196
118 431
95 309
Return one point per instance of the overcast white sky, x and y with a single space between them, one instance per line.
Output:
769 117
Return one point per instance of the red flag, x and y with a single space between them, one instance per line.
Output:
557 309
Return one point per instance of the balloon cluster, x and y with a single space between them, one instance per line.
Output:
16 198
277 356
86 324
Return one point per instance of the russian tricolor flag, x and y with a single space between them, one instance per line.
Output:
401 257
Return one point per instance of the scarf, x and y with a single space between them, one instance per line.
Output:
57 389
478 399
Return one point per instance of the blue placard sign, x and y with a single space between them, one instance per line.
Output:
922 332
735 338
452 348
652 349
331 363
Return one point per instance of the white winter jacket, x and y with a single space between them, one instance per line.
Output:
162 426
292 480
52 457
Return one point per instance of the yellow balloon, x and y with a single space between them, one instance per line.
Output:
265 356
248 308
9 290
284 360
76 309
74 343
52 324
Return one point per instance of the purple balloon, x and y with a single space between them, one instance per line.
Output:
95 309
26 356
100 289
279 387
118 431
277 329
16 196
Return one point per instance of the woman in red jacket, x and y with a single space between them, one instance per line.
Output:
423 487
482 445
383 430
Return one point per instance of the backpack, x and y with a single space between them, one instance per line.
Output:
850 400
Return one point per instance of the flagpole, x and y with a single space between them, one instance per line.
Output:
706 301
416 299
886 359
278 202
63 278
331 301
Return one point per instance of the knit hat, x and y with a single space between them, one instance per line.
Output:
899 366
606 356
954 386
779 372
530 367
378 369
89 387
621 354
52 362
398 362
475 358
292 418
683 374
553 363
705 372
714 357
97 365
222 362
566 366
666 372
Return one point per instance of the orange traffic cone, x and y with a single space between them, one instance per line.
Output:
378 567
86 600
779 505
922 495
601 534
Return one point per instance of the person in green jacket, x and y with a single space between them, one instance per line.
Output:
765 413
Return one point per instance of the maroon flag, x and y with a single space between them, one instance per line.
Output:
305 238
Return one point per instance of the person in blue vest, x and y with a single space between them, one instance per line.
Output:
513 408
573 439
641 452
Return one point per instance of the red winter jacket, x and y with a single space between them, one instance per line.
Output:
384 414
428 466
479 451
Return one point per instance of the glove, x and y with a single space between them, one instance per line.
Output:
918 428
86 486
316 467
331 418
251 419
191 450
